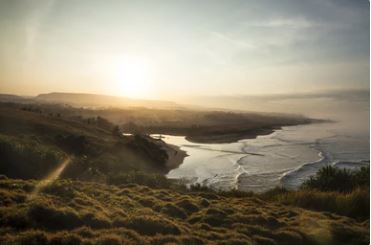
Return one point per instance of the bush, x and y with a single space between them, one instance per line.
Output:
334 179
333 190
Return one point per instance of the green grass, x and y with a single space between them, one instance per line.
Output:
33 142
77 212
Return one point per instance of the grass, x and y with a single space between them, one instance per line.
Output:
113 192
32 142
78 212
333 190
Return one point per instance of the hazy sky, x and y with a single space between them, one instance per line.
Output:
162 49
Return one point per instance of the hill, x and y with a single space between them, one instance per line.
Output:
111 189
74 212
33 142
98 100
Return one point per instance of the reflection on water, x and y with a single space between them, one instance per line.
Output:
286 157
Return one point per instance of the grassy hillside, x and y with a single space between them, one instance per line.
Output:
73 212
197 125
98 100
32 142
113 191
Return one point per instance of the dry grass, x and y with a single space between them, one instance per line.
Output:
74 212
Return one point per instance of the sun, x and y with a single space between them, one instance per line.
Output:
133 76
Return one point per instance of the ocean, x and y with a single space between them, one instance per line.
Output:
286 157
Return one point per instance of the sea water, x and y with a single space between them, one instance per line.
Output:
286 157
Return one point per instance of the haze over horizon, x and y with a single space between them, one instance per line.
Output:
145 49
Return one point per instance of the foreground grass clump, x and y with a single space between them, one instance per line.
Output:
333 190
25 157
355 204
75 212
139 177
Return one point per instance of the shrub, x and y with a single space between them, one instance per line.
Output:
334 179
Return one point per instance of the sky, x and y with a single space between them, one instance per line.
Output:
165 49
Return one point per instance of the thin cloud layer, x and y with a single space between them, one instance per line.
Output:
208 47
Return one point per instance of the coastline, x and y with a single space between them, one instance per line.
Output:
230 137
174 153
234 135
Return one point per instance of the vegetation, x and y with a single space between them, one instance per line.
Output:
114 192
342 180
34 141
76 212
197 125
333 190
25 158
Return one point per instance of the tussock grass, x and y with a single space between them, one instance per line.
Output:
75 212
333 190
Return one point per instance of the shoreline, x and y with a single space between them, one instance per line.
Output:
231 137
217 135
175 154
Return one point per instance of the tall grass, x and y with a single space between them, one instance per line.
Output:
334 179
27 157
333 190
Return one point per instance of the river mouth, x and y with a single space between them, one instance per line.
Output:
284 158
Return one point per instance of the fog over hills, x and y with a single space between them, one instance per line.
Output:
88 100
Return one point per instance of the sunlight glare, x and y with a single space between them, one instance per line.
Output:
133 76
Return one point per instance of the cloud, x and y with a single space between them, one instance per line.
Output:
297 23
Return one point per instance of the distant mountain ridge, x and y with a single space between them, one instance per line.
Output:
89 100
84 99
